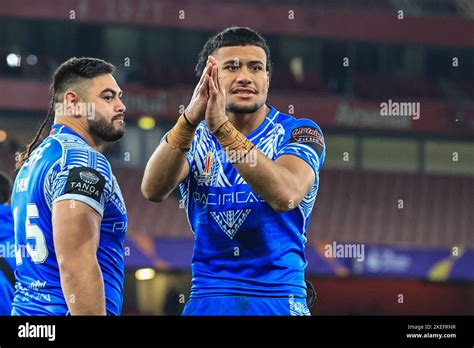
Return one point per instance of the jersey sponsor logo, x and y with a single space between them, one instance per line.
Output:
37 285
309 136
226 198
231 220
31 295
89 178
86 182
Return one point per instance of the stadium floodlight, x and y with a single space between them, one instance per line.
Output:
145 274
13 60
146 122
31 59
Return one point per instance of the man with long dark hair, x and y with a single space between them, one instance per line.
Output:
70 217
248 175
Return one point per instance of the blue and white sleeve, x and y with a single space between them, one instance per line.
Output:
304 139
84 176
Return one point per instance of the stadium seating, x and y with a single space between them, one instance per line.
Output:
384 87
364 207
351 206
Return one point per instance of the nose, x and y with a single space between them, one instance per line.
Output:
120 107
243 77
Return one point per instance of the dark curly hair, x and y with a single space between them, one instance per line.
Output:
234 36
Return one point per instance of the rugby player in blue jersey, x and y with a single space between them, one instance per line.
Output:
70 217
7 261
248 175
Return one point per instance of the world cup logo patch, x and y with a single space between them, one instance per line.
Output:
205 178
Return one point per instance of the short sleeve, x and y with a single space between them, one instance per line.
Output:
84 175
304 139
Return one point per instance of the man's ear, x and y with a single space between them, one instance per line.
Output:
70 100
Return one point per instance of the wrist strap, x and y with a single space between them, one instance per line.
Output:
187 120
234 142
181 135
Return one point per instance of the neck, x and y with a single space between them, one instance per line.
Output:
81 129
247 123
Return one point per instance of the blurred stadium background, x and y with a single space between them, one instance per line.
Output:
402 188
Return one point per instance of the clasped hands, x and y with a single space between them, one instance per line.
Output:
208 101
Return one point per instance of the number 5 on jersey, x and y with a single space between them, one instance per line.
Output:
39 252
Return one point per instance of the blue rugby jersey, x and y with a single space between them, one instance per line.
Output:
64 167
242 246
7 241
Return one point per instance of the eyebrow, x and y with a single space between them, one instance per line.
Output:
252 62
114 93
